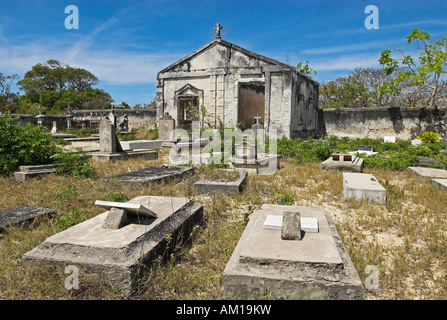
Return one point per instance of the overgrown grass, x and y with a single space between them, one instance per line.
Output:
405 238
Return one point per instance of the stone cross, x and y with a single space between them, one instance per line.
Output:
218 27
257 118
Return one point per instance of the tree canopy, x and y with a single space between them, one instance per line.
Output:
55 86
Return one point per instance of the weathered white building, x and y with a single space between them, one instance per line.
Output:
224 86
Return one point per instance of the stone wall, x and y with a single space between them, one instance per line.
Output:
404 123
90 118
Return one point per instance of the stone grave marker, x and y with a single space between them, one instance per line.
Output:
27 172
440 183
429 172
316 267
110 147
205 186
391 139
363 186
142 177
416 142
166 126
120 250
21 214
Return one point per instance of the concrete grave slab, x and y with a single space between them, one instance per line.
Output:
440 183
120 255
317 267
141 144
391 139
429 172
205 186
363 186
21 214
142 177
27 172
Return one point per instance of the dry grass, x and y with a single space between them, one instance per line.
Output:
405 238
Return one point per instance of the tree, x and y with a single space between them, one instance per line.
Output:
427 74
7 98
55 86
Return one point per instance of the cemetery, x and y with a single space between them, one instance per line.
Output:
282 209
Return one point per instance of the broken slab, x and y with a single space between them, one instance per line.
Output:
27 172
440 183
205 186
121 255
142 177
291 226
113 156
133 208
343 162
363 186
317 267
21 214
429 172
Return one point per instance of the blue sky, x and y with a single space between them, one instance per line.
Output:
125 43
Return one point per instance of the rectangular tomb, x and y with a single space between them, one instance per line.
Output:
205 186
21 214
343 162
142 177
363 186
121 255
315 267
429 172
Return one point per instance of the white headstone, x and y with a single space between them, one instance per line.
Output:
391 139
416 142
274 222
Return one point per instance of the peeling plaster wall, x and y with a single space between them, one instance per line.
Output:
404 123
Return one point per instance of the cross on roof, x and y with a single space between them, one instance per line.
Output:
257 118
218 27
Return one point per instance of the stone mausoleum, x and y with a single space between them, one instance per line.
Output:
235 85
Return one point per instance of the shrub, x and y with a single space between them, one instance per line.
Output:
429 137
74 163
24 145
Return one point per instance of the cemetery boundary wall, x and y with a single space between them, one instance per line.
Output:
403 123
80 119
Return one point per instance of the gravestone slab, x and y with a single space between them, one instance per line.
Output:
363 186
121 255
141 144
142 177
133 208
21 214
27 172
205 186
416 142
440 183
429 172
317 267
427 162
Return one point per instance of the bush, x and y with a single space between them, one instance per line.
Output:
24 145
429 137
76 163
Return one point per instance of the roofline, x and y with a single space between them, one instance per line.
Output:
232 45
